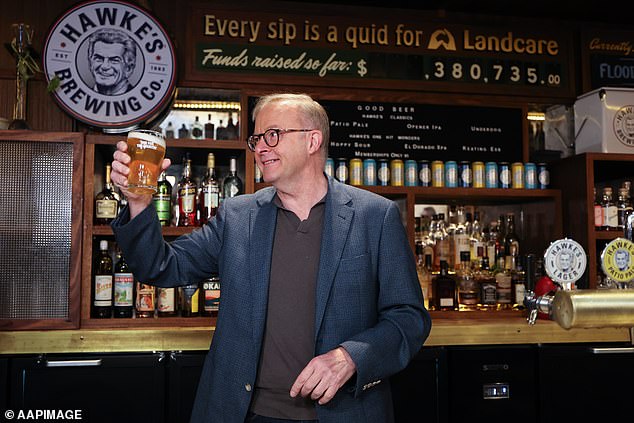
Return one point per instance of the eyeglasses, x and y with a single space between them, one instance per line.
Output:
271 136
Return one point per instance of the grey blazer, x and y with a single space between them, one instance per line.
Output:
368 299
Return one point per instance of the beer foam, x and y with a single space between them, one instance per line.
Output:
147 136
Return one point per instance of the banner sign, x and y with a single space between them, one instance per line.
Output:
115 65
371 49
610 58
422 131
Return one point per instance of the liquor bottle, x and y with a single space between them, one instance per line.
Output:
186 197
211 296
442 248
167 303
623 207
210 128
511 240
189 300
183 132
170 131
123 289
163 200
460 236
488 287
424 278
476 241
232 184
106 202
444 289
102 288
598 211
468 293
518 282
209 196
145 300
197 129
232 133
610 213
504 282
221 131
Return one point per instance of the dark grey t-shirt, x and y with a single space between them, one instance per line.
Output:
289 335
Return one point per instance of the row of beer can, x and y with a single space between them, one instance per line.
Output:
448 174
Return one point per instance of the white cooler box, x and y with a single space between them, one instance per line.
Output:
604 121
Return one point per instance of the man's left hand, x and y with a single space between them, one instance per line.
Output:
324 375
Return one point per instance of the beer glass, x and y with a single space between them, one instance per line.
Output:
146 149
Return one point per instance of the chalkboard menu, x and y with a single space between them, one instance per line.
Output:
609 57
422 131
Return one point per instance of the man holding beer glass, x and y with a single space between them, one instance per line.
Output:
320 296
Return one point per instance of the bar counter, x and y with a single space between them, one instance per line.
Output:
445 332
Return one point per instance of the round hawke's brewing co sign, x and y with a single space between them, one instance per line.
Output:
115 64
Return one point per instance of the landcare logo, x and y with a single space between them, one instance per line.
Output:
115 64
624 125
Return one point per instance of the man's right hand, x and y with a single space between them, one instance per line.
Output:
119 177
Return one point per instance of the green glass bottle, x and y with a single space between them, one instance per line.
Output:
163 200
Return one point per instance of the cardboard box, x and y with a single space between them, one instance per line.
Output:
604 121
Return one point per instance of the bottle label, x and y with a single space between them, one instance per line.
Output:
212 295
166 300
145 297
163 206
210 200
103 290
610 216
598 216
190 298
489 293
446 302
187 197
106 209
123 288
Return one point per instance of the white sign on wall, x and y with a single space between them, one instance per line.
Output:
115 64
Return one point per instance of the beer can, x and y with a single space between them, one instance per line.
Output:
411 173
397 173
517 175
329 168
466 177
530 176
369 172
505 175
383 173
437 173
356 172
341 170
424 173
491 169
477 169
451 174
543 176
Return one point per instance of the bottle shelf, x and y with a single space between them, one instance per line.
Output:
607 235
147 322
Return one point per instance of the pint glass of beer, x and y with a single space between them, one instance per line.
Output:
146 149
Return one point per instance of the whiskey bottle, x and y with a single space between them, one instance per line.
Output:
211 296
232 184
221 131
189 300
488 287
197 129
166 302
511 240
163 200
183 132
209 196
145 300
102 287
623 207
504 282
210 128
444 289
598 211
423 269
610 213
460 237
518 281
106 202
467 285
186 197
123 289
170 131
442 248
232 130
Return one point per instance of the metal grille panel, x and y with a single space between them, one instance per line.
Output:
35 229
